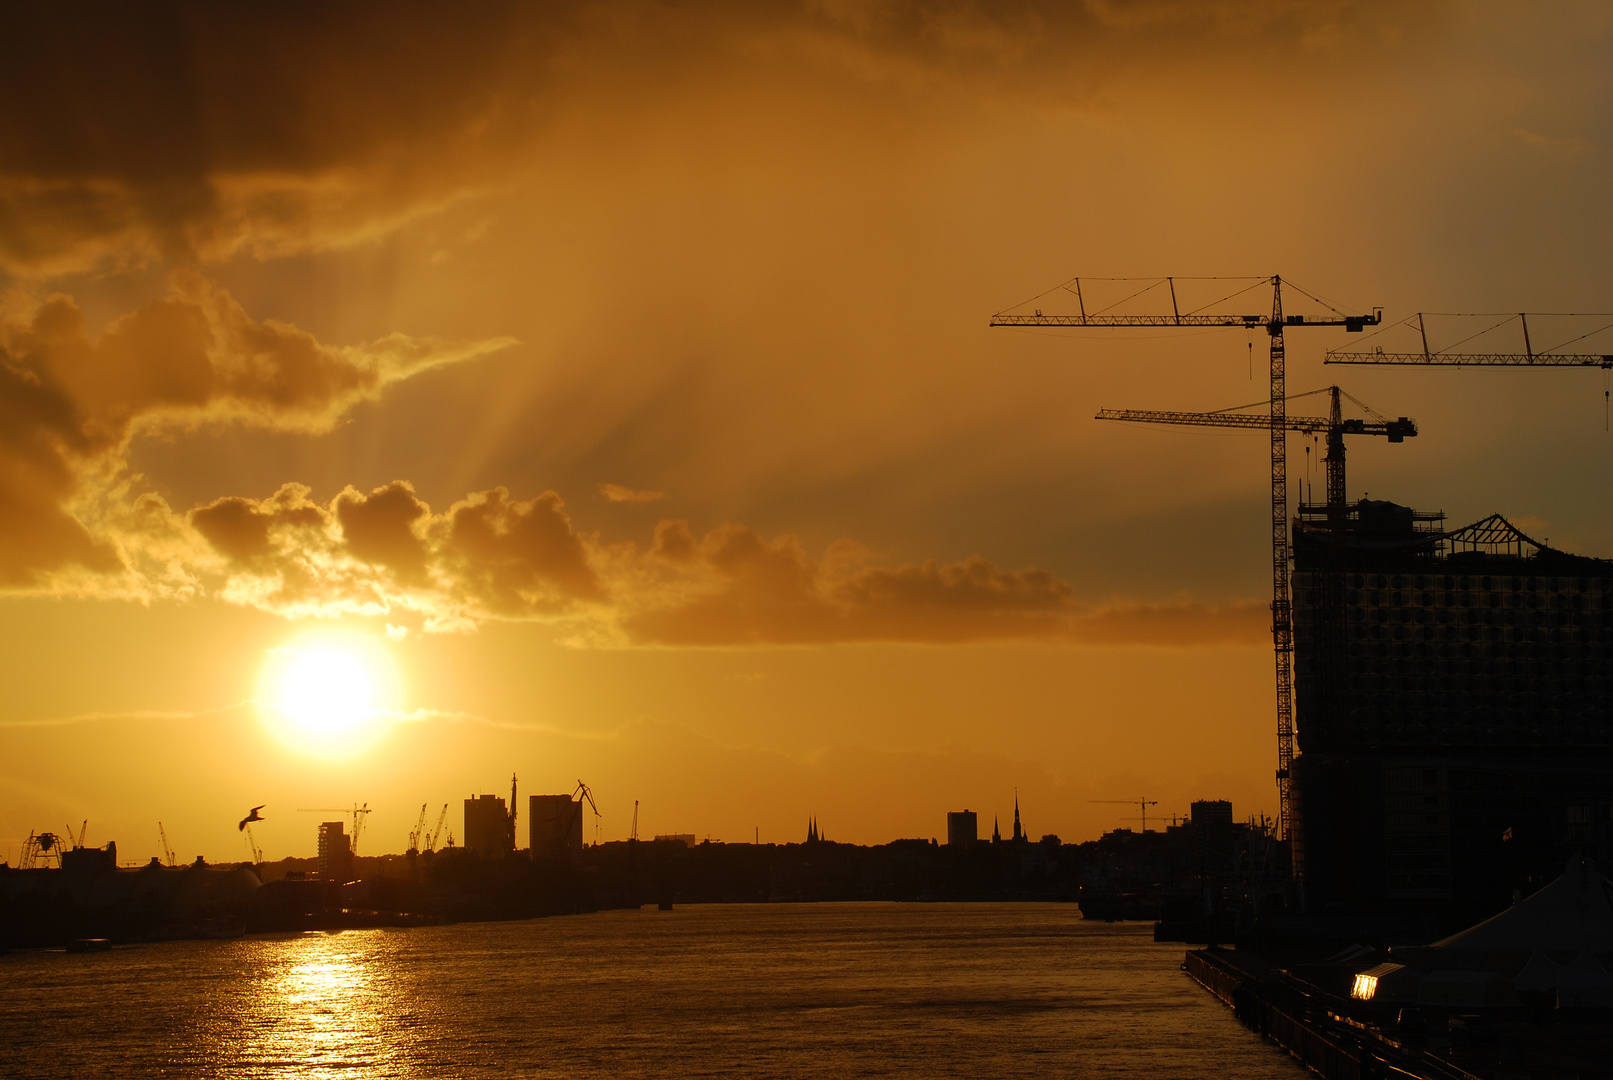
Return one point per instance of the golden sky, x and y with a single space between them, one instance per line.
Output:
621 371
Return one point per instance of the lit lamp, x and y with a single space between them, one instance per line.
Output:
1366 984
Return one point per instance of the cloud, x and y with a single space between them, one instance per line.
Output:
616 493
382 528
733 587
188 133
513 557
70 402
493 557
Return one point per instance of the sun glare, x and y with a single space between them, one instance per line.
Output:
329 691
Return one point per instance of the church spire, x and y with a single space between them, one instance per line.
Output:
1019 834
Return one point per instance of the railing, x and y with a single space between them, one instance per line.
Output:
1321 1043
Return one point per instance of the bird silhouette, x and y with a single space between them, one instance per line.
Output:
253 816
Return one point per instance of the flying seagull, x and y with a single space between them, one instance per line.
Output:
250 818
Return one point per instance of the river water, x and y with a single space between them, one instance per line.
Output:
778 990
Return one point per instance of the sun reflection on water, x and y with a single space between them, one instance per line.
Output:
327 1006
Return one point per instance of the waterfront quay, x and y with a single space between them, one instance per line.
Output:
1304 1005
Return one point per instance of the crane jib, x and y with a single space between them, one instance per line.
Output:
1351 323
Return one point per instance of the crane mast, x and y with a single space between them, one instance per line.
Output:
1282 608
1282 627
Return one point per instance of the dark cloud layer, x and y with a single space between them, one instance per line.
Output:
181 131
733 587
180 135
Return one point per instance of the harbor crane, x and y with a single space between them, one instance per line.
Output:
632 834
583 790
1141 804
252 846
418 832
245 826
40 847
360 813
436 834
1275 324
168 852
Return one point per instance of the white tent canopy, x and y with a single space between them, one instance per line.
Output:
1573 915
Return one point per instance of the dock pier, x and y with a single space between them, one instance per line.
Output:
1304 1021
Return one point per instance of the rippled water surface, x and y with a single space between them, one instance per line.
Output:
809 990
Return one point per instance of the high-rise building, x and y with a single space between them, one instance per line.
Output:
1454 711
962 829
487 827
1210 812
335 852
554 824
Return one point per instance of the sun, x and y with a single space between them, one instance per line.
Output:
329 691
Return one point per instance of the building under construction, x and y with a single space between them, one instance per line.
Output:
1455 711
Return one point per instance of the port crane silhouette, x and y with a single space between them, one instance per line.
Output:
167 851
418 833
41 847
435 834
1275 324
588 794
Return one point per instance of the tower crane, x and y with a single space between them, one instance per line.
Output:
1334 426
360 813
1546 358
1329 597
1550 357
1275 324
1142 804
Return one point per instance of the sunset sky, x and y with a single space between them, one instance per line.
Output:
614 381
